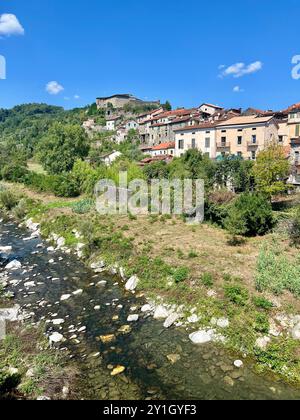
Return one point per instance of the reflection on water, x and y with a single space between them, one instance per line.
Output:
160 363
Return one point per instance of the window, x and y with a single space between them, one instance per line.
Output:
240 140
254 139
253 129
297 130
280 139
223 131
207 132
253 155
240 130
207 143
240 154
181 145
223 140
193 143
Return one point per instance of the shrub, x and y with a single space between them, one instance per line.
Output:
207 279
261 323
181 274
237 294
83 206
8 199
250 215
262 303
14 173
193 254
294 229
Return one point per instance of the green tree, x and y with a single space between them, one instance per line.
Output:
61 147
250 215
167 106
271 170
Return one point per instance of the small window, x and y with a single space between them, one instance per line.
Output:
280 139
240 140
224 131
180 145
254 139
193 143
253 155
253 129
240 154
223 140
240 130
207 132
207 143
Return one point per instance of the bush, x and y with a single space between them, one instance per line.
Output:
237 294
60 185
14 173
262 303
181 274
262 324
83 206
250 215
294 229
207 279
8 199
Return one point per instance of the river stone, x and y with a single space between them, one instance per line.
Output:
296 332
58 321
193 319
201 337
65 297
29 284
132 283
262 343
133 318
171 320
60 242
161 312
173 358
56 338
221 323
43 398
229 381
118 370
5 249
146 308
238 364
13 265
78 292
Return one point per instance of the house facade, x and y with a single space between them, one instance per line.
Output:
111 123
164 149
245 136
201 137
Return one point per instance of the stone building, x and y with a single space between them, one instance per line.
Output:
118 101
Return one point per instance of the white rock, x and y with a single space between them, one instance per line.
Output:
58 321
296 332
132 283
102 283
78 292
221 323
65 297
13 265
146 308
60 242
193 319
56 338
238 364
97 308
201 337
161 312
50 249
133 318
171 320
29 284
262 343
5 249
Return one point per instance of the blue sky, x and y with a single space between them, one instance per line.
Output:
156 50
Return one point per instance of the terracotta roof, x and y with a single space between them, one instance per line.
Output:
212 105
294 107
165 146
245 120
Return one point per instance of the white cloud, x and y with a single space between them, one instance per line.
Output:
76 97
241 69
238 89
54 88
10 25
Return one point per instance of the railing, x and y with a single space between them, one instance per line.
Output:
252 144
223 145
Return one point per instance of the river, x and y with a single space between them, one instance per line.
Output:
160 364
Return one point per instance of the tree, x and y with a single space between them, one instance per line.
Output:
167 106
61 147
271 170
250 215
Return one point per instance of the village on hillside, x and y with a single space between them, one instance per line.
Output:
211 129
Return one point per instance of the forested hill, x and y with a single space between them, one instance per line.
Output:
26 124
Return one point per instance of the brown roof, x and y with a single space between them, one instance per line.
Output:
165 146
294 107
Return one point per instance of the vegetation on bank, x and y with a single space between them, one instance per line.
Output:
30 369
200 269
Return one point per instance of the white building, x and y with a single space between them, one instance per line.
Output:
167 149
201 137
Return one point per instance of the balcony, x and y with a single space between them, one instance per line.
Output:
223 145
252 145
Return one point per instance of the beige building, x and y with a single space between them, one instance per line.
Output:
201 137
245 136
167 149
